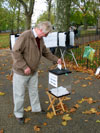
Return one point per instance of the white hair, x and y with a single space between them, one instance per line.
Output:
45 26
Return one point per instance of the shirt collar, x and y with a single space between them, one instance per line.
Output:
35 33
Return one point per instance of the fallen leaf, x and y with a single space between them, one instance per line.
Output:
50 115
87 112
77 81
72 110
64 123
97 121
66 117
2 72
91 111
46 102
36 128
88 78
73 91
86 120
27 120
2 93
90 100
44 123
10 115
84 85
89 83
28 109
1 131
76 106
98 113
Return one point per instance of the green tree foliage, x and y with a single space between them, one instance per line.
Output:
44 17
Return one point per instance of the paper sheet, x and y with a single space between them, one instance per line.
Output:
59 91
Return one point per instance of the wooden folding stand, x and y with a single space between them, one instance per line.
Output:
52 100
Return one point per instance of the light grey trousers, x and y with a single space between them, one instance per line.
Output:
19 85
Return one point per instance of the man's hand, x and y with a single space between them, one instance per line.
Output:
59 61
27 71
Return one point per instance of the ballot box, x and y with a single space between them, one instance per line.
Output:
59 86
60 82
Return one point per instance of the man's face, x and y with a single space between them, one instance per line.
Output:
42 34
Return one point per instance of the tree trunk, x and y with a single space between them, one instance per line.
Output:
28 22
49 10
28 11
63 15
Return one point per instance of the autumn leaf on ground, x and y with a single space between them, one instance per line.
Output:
76 106
91 111
36 128
46 102
28 109
88 78
84 85
87 112
97 121
72 110
2 93
86 120
77 81
27 120
45 124
59 107
66 117
98 113
90 100
73 91
81 101
1 131
50 115
89 83
64 123
2 72
10 115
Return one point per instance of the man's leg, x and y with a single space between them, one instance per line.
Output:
19 84
33 93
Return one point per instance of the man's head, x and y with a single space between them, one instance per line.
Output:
43 29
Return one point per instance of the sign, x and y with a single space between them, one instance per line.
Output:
53 79
62 39
13 38
51 40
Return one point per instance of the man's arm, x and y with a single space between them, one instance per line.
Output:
17 53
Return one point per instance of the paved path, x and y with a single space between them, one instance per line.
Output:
80 123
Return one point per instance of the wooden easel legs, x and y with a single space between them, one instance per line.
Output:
52 102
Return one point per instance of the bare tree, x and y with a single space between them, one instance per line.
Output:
28 8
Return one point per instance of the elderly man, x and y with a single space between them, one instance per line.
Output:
26 54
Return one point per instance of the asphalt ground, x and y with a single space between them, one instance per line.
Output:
85 96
